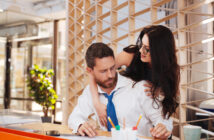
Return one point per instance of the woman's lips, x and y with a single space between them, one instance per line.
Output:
143 56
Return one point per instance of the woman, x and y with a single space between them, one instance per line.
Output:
153 58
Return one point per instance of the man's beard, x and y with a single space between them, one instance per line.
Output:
102 84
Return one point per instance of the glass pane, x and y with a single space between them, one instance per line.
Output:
18 63
61 68
42 52
2 68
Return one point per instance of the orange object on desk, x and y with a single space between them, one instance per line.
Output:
10 134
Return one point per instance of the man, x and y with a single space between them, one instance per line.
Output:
129 99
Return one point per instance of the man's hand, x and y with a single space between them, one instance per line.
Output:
87 129
160 131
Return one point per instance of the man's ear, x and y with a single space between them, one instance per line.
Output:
89 70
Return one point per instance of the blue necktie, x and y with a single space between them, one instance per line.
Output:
111 110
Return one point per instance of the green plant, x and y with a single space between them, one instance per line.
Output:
41 88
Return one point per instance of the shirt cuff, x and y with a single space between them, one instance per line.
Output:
75 126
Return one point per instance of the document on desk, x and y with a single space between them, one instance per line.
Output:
85 138
94 138
10 119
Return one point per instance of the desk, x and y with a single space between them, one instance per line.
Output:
28 122
64 130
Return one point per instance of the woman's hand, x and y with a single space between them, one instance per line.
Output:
160 131
101 112
148 90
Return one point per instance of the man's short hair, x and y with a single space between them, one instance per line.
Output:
97 50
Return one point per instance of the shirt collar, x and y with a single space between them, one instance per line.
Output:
120 84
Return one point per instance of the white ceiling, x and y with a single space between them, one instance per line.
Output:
31 10
9 17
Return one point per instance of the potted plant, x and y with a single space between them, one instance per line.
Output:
41 89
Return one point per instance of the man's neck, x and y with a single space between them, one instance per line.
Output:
108 90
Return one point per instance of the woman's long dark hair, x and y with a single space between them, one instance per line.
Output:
165 72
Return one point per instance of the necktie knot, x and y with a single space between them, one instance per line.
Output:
109 97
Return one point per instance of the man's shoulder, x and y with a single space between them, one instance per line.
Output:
139 89
86 90
140 84
123 79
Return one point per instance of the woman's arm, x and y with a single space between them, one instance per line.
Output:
123 58
100 107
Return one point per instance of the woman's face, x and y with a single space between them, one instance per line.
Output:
144 50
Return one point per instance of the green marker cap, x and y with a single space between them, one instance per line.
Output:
117 127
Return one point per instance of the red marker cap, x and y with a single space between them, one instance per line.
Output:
134 128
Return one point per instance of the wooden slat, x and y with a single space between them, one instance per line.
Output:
182 59
124 4
194 44
92 23
105 30
165 18
121 37
160 3
141 12
99 23
131 22
198 109
197 62
202 91
114 30
196 5
194 24
200 120
154 12
104 15
91 9
80 3
103 1
198 71
121 22
197 13
199 81
196 101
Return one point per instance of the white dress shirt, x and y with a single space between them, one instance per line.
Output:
129 101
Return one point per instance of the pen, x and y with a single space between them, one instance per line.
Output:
138 121
111 122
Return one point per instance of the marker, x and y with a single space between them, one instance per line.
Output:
138 120
124 123
117 127
111 122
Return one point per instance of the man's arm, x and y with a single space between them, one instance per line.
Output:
80 114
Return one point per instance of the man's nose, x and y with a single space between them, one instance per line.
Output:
110 75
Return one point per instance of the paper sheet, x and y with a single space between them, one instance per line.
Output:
86 138
10 119
95 138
